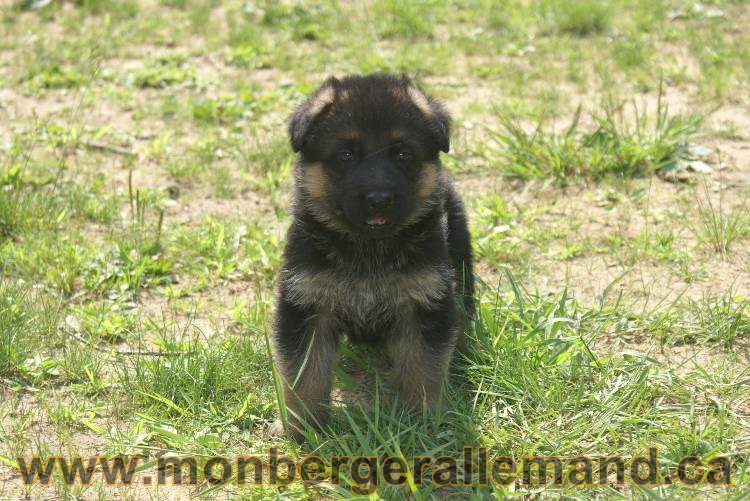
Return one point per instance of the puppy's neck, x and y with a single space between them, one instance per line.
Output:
394 252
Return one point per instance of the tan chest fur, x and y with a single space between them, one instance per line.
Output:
361 299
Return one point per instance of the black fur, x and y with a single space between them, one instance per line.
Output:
392 272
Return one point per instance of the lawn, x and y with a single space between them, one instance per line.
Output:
602 149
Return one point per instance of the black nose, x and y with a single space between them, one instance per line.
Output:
379 200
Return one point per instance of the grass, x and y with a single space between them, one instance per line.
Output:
579 18
144 198
163 72
25 207
724 319
15 346
718 226
624 142
24 321
197 382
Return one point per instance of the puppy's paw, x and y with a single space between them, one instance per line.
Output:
277 430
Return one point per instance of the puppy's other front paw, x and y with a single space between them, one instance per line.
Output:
277 431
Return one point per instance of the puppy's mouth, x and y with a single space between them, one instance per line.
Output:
377 223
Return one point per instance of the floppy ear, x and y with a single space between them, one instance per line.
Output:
440 121
304 117
442 130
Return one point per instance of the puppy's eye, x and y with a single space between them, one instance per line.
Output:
403 155
345 156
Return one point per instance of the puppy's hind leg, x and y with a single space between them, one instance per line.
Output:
459 247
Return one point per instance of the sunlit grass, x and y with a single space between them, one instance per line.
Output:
144 197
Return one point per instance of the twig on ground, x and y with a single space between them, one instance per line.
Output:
111 148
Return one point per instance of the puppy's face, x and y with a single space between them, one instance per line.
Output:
369 153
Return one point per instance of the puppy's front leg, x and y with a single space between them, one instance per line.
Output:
305 346
421 350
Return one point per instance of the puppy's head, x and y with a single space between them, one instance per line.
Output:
369 153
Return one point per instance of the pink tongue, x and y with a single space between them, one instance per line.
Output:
376 221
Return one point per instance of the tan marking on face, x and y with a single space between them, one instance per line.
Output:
314 180
431 183
428 181
396 134
351 135
314 195
420 100
320 101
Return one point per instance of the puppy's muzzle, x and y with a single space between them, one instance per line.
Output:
378 201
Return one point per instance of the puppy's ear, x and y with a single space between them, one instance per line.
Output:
304 117
439 119
442 130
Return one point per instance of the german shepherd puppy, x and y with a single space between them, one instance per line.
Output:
378 250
